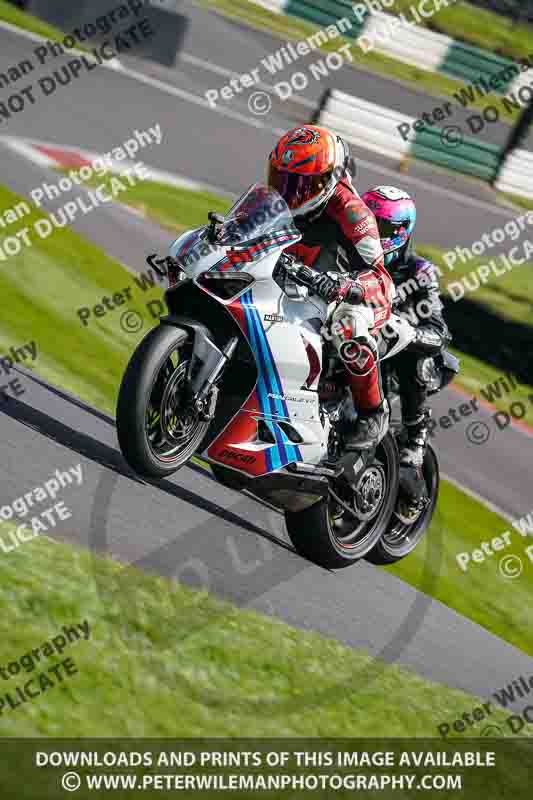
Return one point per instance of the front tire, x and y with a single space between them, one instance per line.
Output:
322 534
156 433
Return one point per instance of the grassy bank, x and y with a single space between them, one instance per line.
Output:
196 666
481 593
44 287
15 16
508 293
477 26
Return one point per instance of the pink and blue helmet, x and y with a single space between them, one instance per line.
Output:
395 214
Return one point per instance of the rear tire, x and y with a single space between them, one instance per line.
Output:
157 438
312 531
399 540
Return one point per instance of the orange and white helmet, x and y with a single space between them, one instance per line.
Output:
305 167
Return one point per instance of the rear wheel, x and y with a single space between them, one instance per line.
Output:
329 534
399 540
158 431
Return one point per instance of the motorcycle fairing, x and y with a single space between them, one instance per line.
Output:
238 445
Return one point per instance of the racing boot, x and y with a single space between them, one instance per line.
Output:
368 430
413 490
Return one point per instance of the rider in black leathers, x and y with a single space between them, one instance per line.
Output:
418 300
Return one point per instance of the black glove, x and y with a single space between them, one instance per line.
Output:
326 287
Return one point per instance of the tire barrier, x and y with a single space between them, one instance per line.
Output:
375 128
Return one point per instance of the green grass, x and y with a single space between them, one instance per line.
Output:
476 374
517 200
478 26
166 661
173 208
482 594
46 284
170 206
15 16
509 295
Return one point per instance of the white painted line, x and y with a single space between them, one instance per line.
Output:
27 150
228 73
195 99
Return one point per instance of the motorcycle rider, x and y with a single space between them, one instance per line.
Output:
418 299
309 167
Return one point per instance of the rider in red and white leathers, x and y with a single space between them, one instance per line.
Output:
340 239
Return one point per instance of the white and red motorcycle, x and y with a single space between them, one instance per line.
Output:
240 373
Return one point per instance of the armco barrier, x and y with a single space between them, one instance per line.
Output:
324 12
426 50
376 128
170 28
471 156
364 123
469 63
516 176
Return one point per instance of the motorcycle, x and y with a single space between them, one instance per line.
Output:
241 372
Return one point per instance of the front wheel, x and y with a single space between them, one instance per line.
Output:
158 432
328 534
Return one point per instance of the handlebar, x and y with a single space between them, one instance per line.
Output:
308 277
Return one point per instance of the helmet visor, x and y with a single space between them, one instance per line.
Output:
297 189
390 230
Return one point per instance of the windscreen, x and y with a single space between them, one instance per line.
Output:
260 211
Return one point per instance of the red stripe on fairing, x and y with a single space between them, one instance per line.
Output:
188 243
314 364
243 427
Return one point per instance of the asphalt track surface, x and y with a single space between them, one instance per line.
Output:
173 528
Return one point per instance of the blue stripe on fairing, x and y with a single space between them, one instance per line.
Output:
270 381
263 387
270 404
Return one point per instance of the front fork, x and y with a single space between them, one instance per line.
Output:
204 398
